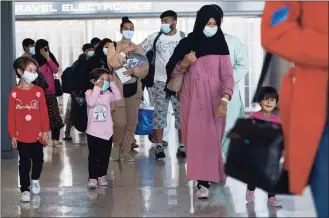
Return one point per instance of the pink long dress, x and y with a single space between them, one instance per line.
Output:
204 84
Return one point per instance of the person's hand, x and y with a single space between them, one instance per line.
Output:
45 54
99 83
14 142
189 58
130 49
110 78
129 72
45 136
111 45
221 108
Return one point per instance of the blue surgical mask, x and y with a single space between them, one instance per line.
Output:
32 50
165 28
128 34
91 53
105 51
106 86
210 31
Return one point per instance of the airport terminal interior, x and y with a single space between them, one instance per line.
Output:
146 187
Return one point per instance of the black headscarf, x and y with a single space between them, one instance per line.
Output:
40 44
196 41
99 54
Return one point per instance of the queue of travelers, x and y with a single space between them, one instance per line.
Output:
106 92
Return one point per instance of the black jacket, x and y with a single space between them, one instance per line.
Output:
79 80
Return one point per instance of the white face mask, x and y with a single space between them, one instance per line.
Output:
91 53
32 50
105 51
29 77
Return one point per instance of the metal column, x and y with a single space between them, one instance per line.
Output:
8 77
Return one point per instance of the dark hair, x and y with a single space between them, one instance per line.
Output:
125 20
87 46
94 41
169 13
268 92
22 63
97 72
26 42
99 48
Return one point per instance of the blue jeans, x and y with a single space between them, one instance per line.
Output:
319 176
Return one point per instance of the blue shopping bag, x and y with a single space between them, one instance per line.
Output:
145 121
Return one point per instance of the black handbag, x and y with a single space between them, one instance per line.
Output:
256 150
130 89
58 88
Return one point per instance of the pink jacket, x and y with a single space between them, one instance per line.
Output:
49 70
99 111
258 115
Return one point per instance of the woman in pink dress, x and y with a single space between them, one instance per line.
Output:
203 57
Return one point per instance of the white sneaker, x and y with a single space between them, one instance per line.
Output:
35 201
35 187
56 144
26 197
202 193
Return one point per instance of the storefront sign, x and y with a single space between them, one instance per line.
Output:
36 8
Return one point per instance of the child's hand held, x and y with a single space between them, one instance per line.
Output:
100 83
14 142
45 137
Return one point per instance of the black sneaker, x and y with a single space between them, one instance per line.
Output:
181 152
159 152
67 138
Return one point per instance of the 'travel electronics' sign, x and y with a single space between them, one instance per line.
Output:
35 8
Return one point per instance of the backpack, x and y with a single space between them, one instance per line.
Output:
148 81
66 76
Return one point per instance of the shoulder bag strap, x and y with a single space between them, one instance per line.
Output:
154 46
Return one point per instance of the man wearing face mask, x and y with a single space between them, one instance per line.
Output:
28 47
78 84
163 44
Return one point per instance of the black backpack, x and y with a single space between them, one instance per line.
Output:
148 81
66 76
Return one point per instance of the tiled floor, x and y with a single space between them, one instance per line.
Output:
146 188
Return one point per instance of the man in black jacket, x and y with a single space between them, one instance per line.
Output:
79 84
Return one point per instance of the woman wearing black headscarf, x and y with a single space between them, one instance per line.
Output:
49 67
99 59
203 58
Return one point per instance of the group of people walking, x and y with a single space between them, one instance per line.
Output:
109 75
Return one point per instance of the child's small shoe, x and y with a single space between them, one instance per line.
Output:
92 183
35 187
273 202
26 196
202 193
250 196
102 181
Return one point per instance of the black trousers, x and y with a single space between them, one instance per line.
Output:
55 132
99 156
28 152
252 188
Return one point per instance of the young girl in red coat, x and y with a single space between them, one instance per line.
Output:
28 125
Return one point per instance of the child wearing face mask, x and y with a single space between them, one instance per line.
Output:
28 125
268 100
100 126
